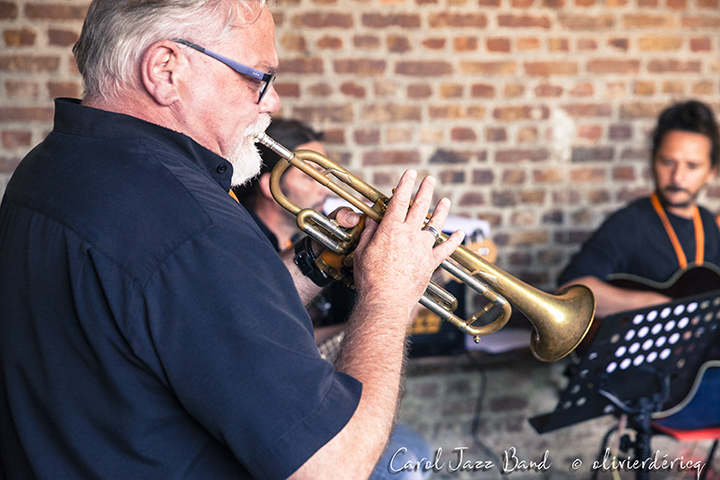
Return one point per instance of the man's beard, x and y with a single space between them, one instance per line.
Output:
692 198
245 157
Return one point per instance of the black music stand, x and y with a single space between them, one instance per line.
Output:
639 362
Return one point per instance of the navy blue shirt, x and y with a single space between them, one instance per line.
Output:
633 241
148 330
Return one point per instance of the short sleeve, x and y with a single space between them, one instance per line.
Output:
236 345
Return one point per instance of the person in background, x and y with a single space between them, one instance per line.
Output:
148 329
653 239
331 308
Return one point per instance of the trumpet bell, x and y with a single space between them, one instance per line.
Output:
562 326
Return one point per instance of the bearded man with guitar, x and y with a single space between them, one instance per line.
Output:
665 246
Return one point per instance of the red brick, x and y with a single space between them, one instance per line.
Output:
515 155
367 136
423 68
318 114
390 157
64 89
496 134
465 44
624 173
631 21
8 10
398 44
587 44
452 90
287 89
676 66
391 113
701 44
29 63
472 199
419 91
457 20
522 112
50 11
622 44
592 154
513 176
322 20
26 114
19 38
22 89
514 90
587 22
620 132
434 43
451 177
488 68
659 43
330 42
482 90
352 89
590 132
483 177
463 134
320 89
524 21
13 139
611 65
528 43
377 20
301 65
366 41
544 69
588 109
584 89
498 44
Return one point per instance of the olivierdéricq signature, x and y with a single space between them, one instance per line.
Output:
511 461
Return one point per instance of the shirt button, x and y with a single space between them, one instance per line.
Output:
222 169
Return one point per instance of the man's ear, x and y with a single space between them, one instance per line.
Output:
264 183
160 68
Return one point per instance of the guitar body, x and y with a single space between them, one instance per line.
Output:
692 280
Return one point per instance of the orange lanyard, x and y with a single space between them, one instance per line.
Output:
699 233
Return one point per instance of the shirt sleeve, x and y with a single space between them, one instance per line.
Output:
237 348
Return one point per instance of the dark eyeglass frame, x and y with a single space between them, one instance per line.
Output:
265 78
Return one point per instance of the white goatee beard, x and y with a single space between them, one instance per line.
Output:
245 157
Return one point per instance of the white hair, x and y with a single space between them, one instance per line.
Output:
116 34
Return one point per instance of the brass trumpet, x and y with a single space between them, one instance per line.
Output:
560 321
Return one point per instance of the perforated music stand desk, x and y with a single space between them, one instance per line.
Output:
639 354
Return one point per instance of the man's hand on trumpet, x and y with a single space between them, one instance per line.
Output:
396 258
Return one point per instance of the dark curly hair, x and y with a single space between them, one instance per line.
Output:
692 116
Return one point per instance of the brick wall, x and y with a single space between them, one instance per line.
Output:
533 114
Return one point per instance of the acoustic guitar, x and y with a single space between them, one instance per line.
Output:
693 280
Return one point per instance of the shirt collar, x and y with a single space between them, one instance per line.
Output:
74 118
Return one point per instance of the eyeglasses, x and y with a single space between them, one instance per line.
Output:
265 78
